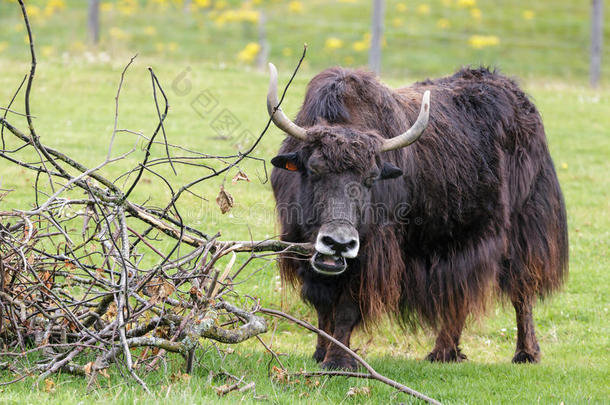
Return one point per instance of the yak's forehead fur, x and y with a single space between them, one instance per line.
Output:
343 148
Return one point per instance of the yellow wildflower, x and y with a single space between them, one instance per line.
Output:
202 3
117 33
287 51
333 43
401 7
127 7
77 46
295 7
347 1
172 46
150 30
528 15
249 52
220 4
475 13
33 11
47 50
360 46
423 9
466 3
53 6
396 22
235 16
483 41
348 60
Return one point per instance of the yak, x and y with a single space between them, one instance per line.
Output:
424 231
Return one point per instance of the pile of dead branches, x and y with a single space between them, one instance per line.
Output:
86 275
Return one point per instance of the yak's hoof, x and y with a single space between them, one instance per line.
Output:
319 354
446 356
340 364
522 356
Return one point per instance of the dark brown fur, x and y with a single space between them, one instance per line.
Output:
485 210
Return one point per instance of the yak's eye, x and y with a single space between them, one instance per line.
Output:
370 179
315 169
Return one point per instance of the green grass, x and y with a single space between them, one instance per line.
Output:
73 101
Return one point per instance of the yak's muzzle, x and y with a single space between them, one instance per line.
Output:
335 243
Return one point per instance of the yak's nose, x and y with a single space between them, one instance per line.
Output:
339 240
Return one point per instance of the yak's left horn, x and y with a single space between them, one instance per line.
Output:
277 115
412 133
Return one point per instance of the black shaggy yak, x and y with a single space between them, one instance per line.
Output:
427 232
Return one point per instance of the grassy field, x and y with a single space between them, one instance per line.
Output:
73 101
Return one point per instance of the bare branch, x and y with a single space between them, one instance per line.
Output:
372 373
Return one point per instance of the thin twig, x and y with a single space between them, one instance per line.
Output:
372 373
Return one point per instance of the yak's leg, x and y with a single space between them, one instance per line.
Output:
528 350
346 317
325 323
447 347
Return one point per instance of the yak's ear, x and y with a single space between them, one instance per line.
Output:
288 161
389 171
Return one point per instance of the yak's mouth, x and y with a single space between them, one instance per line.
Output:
328 264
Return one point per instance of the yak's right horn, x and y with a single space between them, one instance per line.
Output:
407 138
277 115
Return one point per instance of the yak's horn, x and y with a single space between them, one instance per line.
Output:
277 115
412 133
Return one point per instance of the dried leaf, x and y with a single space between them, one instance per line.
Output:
111 312
159 289
240 176
221 390
353 391
104 372
88 367
180 377
166 289
224 200
49 385
47 279
279 374
195 293
225 273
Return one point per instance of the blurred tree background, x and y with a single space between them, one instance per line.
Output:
421 38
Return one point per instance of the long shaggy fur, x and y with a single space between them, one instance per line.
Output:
485 207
